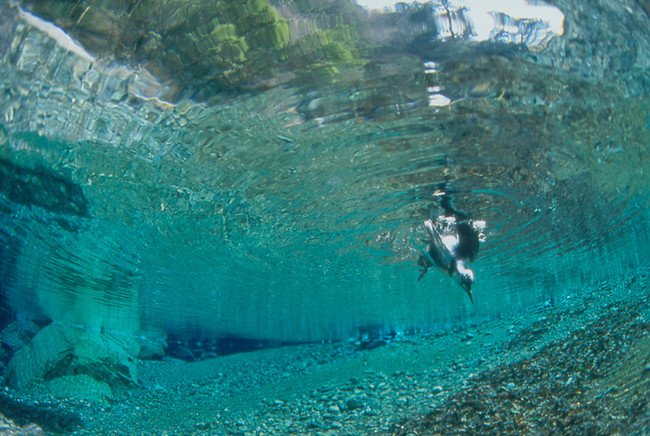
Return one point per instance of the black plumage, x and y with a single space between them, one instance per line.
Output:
453 243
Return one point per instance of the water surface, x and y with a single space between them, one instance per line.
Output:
188 169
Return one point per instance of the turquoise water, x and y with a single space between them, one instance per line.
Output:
182 180
187 170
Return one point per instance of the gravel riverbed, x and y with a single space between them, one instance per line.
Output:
578 366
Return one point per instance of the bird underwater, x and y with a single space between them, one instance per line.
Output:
454 239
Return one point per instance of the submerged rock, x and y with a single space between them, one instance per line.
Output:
4 358
353 403
81 387
17 334
9 428
42 188
151 349
65 354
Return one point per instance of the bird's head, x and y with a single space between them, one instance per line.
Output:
466 278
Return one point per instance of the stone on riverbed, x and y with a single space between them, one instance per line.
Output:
10 428
80 387
17 334
58 351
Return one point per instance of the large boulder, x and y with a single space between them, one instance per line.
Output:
151 349
17 334
59 354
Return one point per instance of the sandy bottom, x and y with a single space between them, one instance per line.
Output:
580 366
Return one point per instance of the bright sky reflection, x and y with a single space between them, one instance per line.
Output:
482 13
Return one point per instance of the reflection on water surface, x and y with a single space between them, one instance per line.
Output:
262 169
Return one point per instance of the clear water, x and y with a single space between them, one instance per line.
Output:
154 182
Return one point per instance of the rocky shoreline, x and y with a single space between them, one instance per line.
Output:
580 365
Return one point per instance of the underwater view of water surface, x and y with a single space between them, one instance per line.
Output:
324 217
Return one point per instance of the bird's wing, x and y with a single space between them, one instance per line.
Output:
434 235
437 249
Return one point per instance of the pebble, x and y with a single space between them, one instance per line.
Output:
467 337
315 424
403 401
436 390
353 403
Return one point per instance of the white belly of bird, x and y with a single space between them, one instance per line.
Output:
450 242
